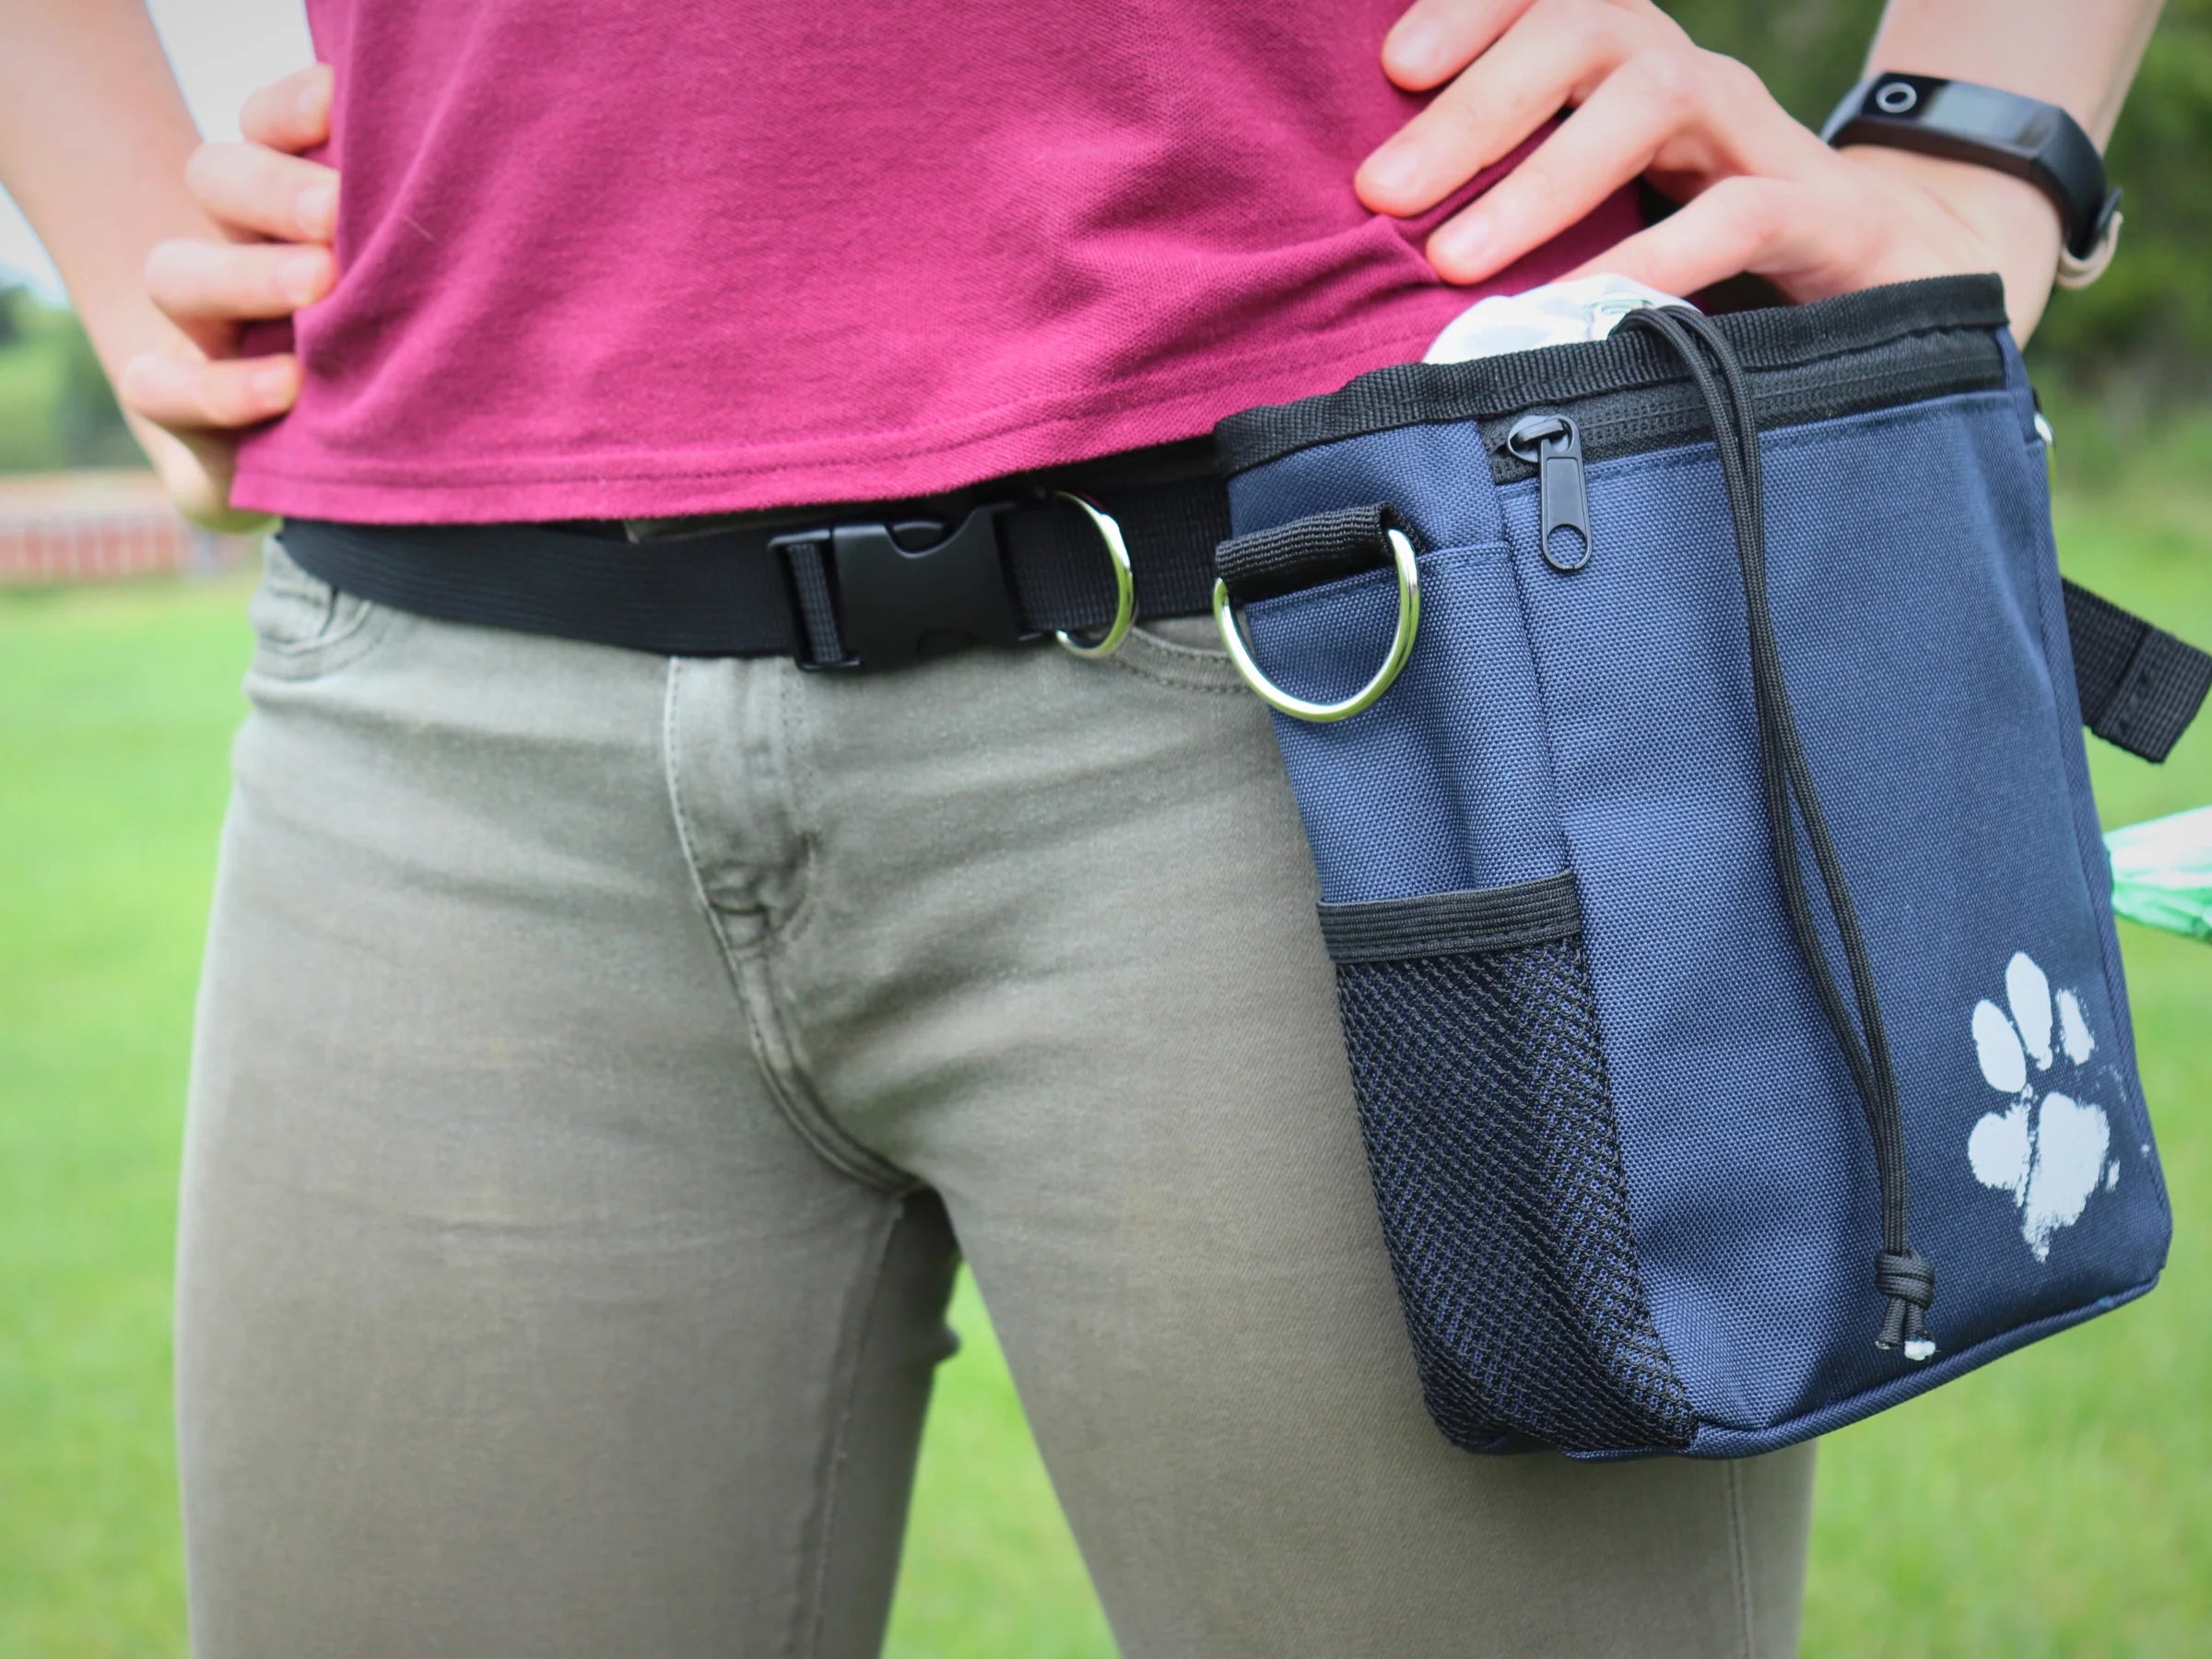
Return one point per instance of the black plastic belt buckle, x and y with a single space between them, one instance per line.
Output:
896 593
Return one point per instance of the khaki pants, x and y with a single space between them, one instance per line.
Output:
601 1061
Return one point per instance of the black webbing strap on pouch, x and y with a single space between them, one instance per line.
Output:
1306 552
2139 685
777 584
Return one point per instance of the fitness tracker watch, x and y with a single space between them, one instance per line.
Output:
2022 137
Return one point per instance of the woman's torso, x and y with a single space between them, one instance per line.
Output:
610 259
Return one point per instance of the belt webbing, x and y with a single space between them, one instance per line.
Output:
727 593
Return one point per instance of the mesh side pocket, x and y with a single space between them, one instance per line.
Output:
1490 1134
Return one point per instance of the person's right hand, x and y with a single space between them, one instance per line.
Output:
279 211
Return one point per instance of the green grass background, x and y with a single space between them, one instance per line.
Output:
2057 1503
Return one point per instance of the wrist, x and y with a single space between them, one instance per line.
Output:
2015 225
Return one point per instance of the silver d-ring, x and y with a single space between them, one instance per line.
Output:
1401 646
1125 586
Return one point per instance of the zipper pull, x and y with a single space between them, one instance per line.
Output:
1553 444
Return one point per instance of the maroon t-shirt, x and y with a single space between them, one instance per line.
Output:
606 258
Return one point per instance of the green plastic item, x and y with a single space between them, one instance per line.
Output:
2162 873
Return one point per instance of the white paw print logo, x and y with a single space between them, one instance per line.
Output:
2047 1150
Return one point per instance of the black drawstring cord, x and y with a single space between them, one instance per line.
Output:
1899 1272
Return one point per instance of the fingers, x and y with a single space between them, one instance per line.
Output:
1765 196
187 410
1810 241
259 191
1549 59
1689 120
256 189
1436 38
198 282
291 114
185 396
1734 227
197 469
1652 98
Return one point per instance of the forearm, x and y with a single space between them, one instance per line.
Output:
2079 54
93 141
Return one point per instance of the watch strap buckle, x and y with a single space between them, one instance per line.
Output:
2077 271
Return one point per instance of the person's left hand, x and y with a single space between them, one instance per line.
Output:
1761 192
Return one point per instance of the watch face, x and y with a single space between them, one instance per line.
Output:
1971 111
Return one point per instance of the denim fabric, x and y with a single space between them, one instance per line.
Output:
602 1060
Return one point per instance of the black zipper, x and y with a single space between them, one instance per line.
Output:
1553 443
1635 422
1897 343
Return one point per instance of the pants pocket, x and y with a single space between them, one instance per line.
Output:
1473 1033
302 625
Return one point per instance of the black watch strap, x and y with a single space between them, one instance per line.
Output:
2023 136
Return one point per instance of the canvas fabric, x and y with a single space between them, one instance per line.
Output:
1715 1274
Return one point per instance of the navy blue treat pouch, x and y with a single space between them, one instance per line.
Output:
1721 918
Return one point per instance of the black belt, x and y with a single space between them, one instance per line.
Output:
834 587
873 586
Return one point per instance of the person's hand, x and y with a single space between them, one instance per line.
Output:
1761 192
190 405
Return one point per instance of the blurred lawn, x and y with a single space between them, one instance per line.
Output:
2058 1504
